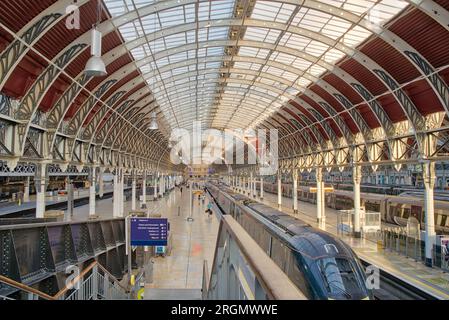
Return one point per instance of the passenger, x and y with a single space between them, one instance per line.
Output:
209 210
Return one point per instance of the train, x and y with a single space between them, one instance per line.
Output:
394 209
321 265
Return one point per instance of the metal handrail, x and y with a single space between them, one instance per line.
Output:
275 283
24 287
68 286
71 285
206 279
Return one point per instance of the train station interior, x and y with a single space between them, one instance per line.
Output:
195 150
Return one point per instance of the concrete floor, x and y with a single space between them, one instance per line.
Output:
192 243
179 275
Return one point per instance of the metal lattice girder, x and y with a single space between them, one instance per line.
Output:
349 17
30 34
120 136
127 109
98 120
318 117
297 142
121 128
76 122
85 110
101 114
364 93
306 135
87 131
273 24
143 9
30 102
127 136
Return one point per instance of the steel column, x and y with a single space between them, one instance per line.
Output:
357 178
429 183
279 191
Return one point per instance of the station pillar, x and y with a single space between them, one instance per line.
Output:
255 188
155 187
295 191
429 184
320 214
251 189
118 203
100 183
115 198
133 191
26 190
279 191
357 179
92 191
122 193
144 189
161 186
41 185
261 187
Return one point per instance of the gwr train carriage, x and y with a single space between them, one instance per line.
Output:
393 209
319 264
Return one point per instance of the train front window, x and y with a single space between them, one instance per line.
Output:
340 279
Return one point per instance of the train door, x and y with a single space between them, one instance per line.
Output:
416 211
278 253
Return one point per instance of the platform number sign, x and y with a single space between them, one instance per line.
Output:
149 231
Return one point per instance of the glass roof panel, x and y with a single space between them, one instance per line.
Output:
194 75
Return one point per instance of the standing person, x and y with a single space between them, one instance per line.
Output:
209 210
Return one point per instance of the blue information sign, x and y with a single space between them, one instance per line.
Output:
149 232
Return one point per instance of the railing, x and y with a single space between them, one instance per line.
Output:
243 271
93 283
206 278
370 222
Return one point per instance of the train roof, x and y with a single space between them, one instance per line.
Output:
309 241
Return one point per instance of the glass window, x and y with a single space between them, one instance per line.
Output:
340 278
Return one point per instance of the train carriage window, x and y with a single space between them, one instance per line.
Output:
296 275
265 240
416 211
441 218
406 213
278 253
372 206
340 278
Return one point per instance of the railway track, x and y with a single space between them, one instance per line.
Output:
393 288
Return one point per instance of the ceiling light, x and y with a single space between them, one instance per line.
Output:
153 124
95 66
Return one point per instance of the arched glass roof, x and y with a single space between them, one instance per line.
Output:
234 63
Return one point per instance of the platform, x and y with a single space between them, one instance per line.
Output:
13 207
192 242
431 280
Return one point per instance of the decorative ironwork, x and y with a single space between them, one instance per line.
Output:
434 78
32 144
100 114
383 118
77 120
32 99
15 51
56 115
409 108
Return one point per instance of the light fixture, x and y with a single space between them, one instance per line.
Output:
95 66
153 124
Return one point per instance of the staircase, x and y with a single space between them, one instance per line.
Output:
93 283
